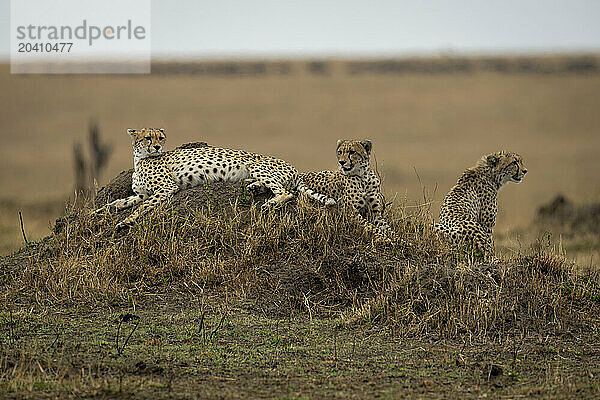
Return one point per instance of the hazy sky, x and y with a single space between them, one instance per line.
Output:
195 28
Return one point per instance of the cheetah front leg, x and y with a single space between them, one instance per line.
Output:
484 245
160 196
122 204
356 204
377 205
369 227
321 198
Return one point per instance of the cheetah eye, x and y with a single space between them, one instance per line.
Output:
352 152
147 138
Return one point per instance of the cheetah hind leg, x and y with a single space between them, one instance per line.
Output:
485 246
255 187
278 200
475 242
274 183
282 196
387 231
370 228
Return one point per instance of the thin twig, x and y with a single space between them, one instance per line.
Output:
125 318
118 334
11 332
23 229
55 342
421 205
335 354
307 304
214 332
129 337
201 327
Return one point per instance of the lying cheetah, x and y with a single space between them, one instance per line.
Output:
468 212
354 184
159 175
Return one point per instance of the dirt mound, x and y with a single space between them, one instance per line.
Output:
215 242
563 213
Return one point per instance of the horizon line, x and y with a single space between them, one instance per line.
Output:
340 56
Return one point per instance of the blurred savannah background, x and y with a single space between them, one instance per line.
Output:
434 89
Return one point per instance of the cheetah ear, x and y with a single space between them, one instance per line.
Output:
367 145
339 143
492 160
162 130
131 132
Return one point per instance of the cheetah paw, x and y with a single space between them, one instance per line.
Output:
268 206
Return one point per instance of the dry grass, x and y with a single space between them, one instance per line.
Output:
303 258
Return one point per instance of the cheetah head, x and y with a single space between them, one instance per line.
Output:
505 167
353 156
147 142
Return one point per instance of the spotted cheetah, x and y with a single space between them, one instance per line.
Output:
354 184
468 213
159 175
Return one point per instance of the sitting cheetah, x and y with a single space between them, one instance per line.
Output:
354 184
159 175
468 212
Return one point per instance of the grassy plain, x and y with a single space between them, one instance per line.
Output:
180 353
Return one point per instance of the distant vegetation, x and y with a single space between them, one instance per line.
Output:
425 65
